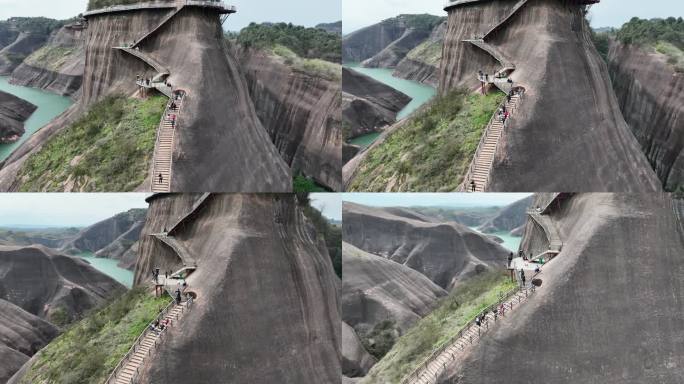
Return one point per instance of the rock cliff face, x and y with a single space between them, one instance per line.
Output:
569 122
13 113
376 289
57 66
302 114
570 330
651 96
113 238
45 283
444 252
509 218
262 270
368 105
14 53
421 64
356 361
21 336
218 123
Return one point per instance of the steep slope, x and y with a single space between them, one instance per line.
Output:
368 105
651 96
110 238
21 335
375 289
422 62
13 113
49 237
57 66
301 112
509 218
385 44
218 124
263 271
13 54
445 252
356 361
50 285
620 251
569 122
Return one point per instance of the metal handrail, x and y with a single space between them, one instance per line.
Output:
157 142
503 297
160 4
137 342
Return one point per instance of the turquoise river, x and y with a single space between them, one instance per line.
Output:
49 106
509 242
420 93
110 268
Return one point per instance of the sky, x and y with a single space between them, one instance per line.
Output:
608 13
64 209
434 199
308 13
330 204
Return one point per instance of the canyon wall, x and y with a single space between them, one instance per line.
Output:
265 273
651 96
569 122
301 112
608 310
13 113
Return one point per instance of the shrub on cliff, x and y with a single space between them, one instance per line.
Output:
331 233
642 31
309 43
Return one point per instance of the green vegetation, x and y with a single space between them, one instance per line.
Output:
37 25
602 42
55 57
428 52
51 237
90 349
424 21
675 56
59 317
431 332
649 32
380 339
332 233
315 67
108 149
307 43
97 4
432 151
302 183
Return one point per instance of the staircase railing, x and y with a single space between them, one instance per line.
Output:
157 142
503 299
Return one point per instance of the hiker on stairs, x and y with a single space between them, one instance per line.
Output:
522 277
161 179
472 185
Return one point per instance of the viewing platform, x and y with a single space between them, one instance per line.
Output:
218 6
456 3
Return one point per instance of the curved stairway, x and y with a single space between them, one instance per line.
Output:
431 368
129 367
544 221
195 207
483 160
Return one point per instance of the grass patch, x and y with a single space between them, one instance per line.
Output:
302 184
431 332
675 56
108 149
428 52
316 67
90 349
433 151
50 58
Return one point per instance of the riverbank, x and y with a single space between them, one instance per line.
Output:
110 268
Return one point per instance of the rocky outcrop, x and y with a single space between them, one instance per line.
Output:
13 54
368 105
444 252
301 112
349 151
356 361
219 125
57 66
509 218
385 44
13 113
335 27
265 272
113 238
651 96
375 289
569 122
49 237
569 329
21 336
421 64
48 284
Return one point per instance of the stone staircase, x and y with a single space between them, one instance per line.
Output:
179 6
544 221
130 366
177 247
192 211
431 368
162 161
513 11
483 160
